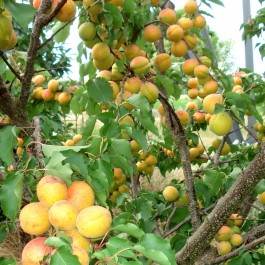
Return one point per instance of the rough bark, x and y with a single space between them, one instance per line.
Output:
227 205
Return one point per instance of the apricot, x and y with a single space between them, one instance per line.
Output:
35 251
38 80
210 101
133 84
34 218
221 123
190 7
168 16
126 120
104 64
135 147
150 91
140 65
193 93
162 62
105 74
194 153
237 80
121 99
152 33
237 88
201 71
179 49
115 89
170 193
189 65
121 181
235 229
94 222
12 42
205 60
191 106
116 75
51 189
236 219
47 94
77 138
193 82
200 147
19 151
226 149
64 98
80 194
199 21
191 40
261 197
199 116
63 214
210 87
53 85
67 12
117 174
160 109
93 7
81 254
174 33
20 141
183 117
155 2
236 240
100 51
90 43
151 160
185 22
87 31
132 51
123 188
224 233
224 247
78 239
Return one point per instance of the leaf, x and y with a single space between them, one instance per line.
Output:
129 228
157 249
57 241
120 146
99 90
166 83
4 261
48 150
8 142
11 195
88 128
139 102
63 256
63 34
138 136
115 13
56 168
116 244
214 180
22 13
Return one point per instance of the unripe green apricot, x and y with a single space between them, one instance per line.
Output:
87 31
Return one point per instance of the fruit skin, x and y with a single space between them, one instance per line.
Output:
38 80
179 49
183 117
51 189
81 254
210 100
53 85
151 160
100 51
152 33
47 95
63 214
224 247
64 98
80 194
201 71
5 31
221 123
210 87
104 64
162 62
189 65
140 65
190 7
150 91
168 16
133 84
87 31
194 153
170 193
132 51
174 33
34 251
77 138
185 22
199 21
236 240
91 7
78 239
261 197
224 233
94 222
67 12
34 218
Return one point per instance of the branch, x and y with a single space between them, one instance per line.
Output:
235 253
227 205
218 152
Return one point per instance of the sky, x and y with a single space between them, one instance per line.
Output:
226 23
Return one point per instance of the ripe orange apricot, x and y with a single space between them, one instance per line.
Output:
51 189
189 65
67 12
168 16
34 218
81 254
133 84
210 101
199 116
193 93
38 80
53 85
174 33
210 87
193 82
115 89
160 109
132 51
151 160
224 233
152 33
185 22
78 239
150 91
194 153
170 193
191 106
140 65
199 21
236 240
191 7
47 94
64 98
179 49
201 71
261 197
183 117
94 222
93 6
162 62
80 194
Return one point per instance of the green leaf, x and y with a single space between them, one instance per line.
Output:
157 249
4 261
63 34
138 136
203 190
48 150
55 167
8 142
166 83
3 231
99 90
116 244
88 128
57 241
64 256
120 146
115 13
139 102
130 229
11 195
22 13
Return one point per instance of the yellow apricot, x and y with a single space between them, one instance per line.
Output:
221 123
170 193
78 239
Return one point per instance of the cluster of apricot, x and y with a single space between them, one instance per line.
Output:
147 163
260 129
71 142
66 13
63 209
51 92
20 149
226 148
228 235
8 36
119 185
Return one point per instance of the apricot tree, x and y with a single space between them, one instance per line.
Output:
80 187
